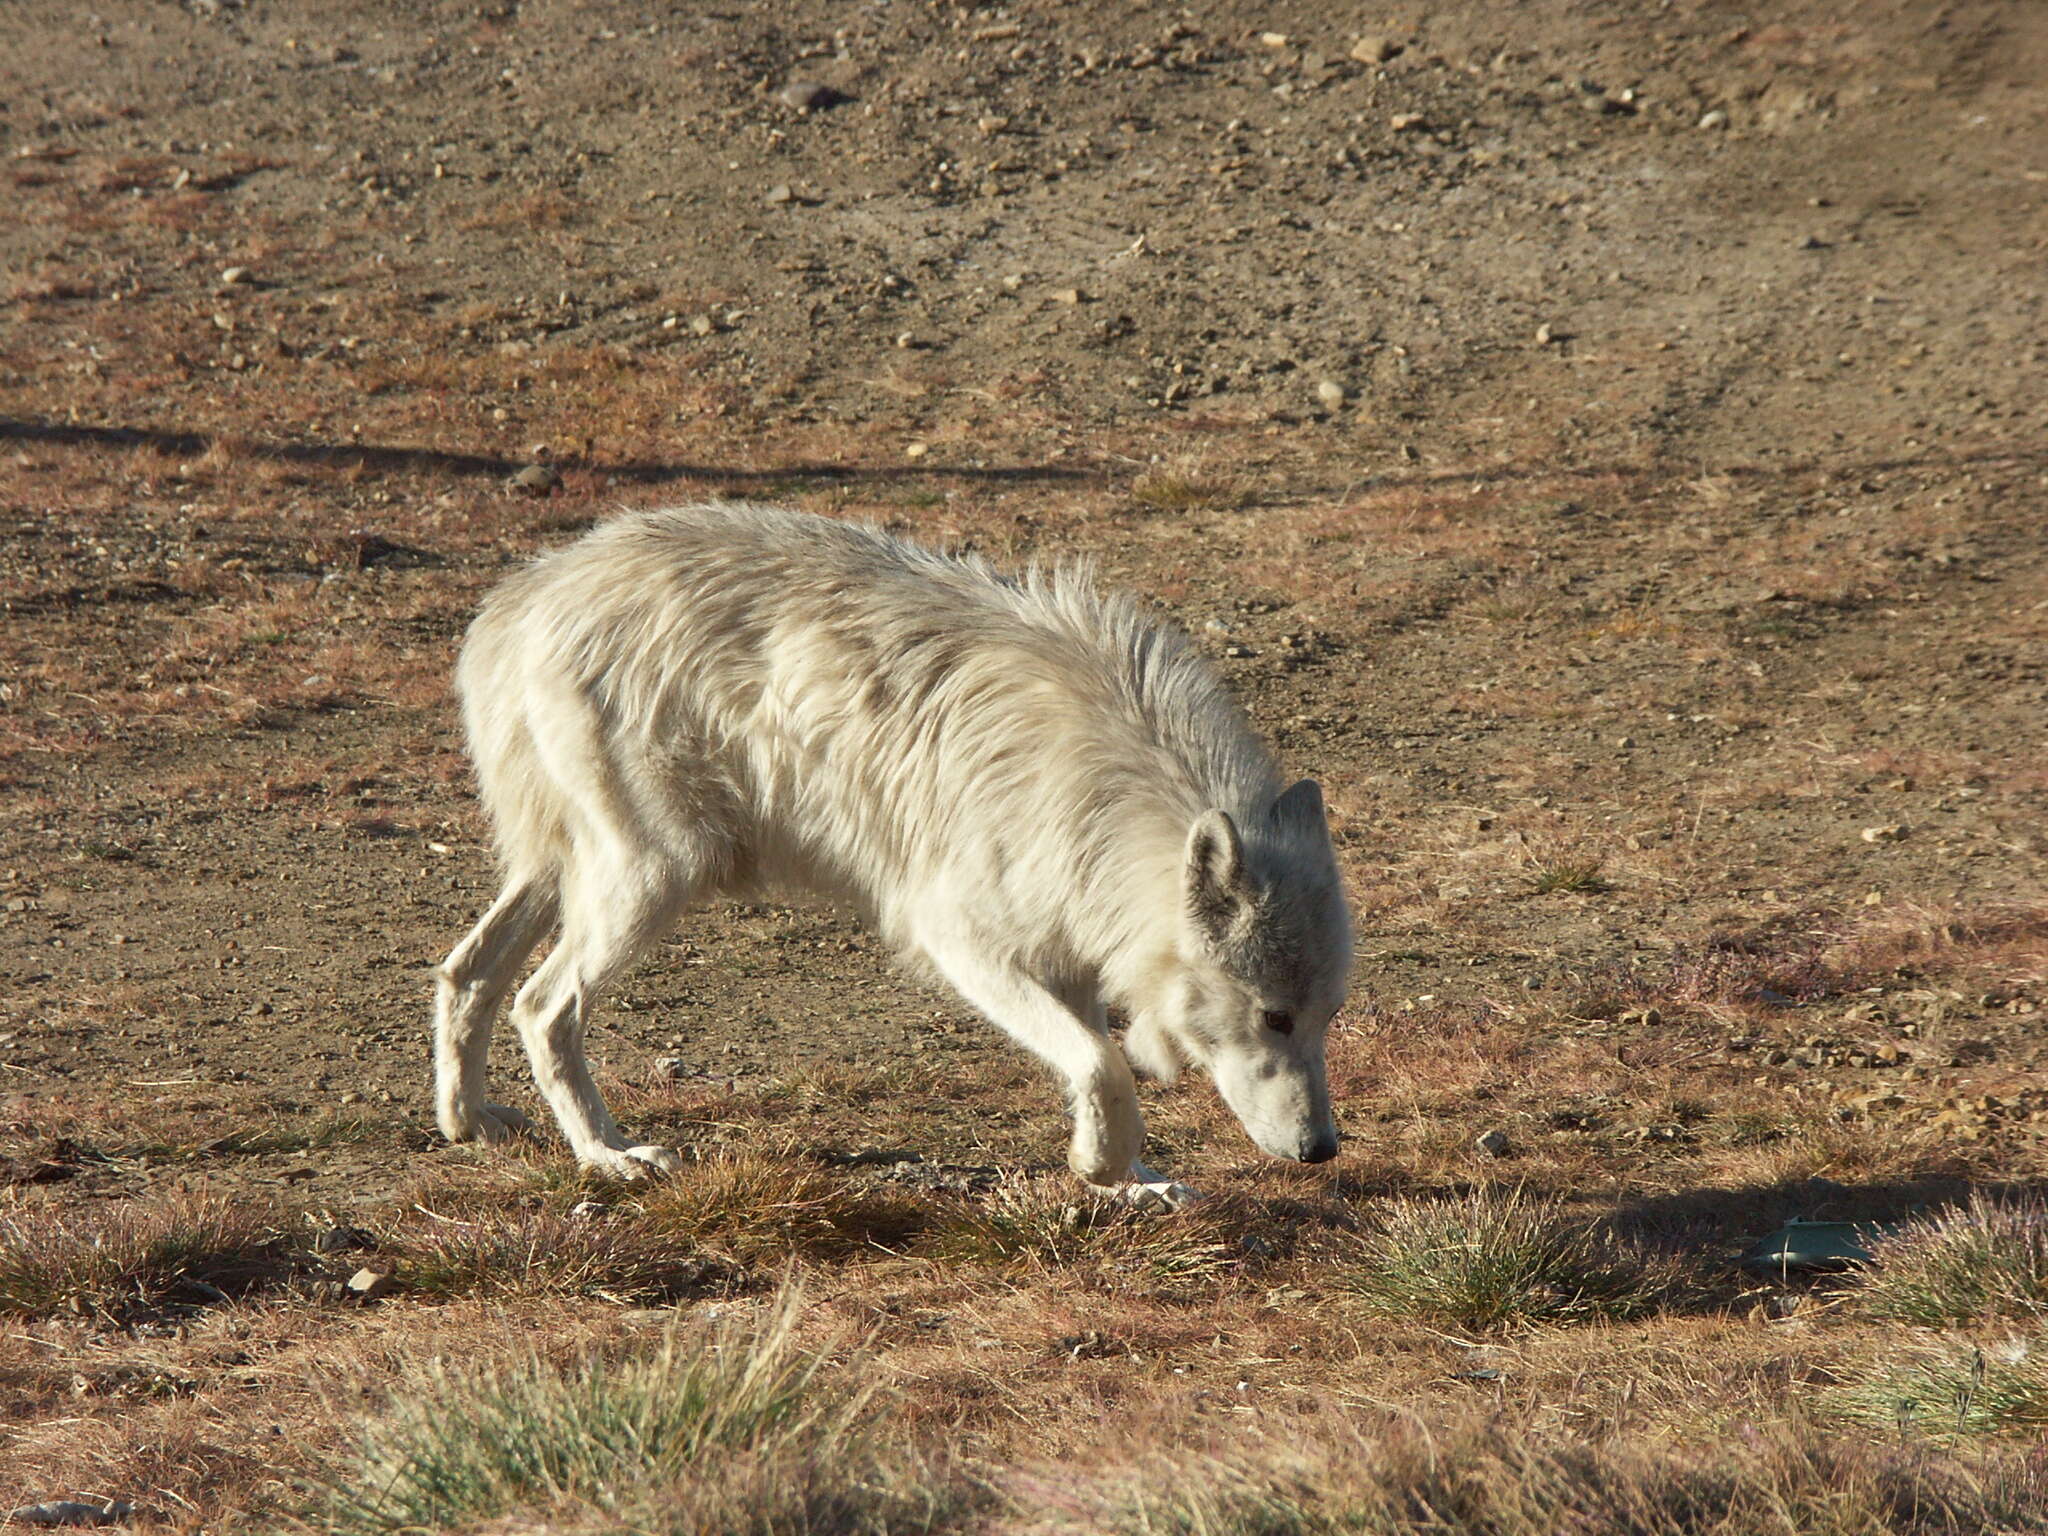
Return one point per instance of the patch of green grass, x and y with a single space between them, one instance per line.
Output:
1952 1387
732 1430
135 1255
1491 1260
1986 1259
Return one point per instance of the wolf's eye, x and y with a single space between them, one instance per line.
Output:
1278 1022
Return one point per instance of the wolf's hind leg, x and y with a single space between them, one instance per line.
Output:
468 991
617 910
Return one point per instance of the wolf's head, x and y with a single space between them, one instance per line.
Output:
1264 951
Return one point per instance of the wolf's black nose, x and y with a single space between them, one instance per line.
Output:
1321 1150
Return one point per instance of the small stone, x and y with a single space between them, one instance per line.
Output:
1714 119
1891 833
343 1240
1812 243
1273 39
1545 335
1407 122
1372 49
233 277
1626 743
780 193
905 340
809 95
368 1284
1067 296
535 480
703 325
588 1210
916 450
990 126
1331 393
671 1067
1493 1144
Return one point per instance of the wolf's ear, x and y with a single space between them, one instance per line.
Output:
1300 806
1217 889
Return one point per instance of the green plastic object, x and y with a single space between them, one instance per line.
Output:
1813 1247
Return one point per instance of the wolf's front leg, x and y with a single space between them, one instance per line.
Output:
1065 1027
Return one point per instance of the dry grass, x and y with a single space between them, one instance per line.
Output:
758 1208
134 1257
733 1429
1492 1260
613 1257
1944 1389
1040 1225
1192 485
1397 1479
1985 1261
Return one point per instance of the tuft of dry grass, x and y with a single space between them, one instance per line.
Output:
610 1256
731 1429
1191 485
757 1208
1573 874
1491 1260
1985 1260
1044 1224
133 1256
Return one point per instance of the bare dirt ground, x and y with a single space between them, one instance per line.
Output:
1602 442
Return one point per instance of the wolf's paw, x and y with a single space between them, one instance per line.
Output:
500 1123
632 1164
1149 1191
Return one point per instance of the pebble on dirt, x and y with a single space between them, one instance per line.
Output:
1493 1144
535 480
809 96
368 1284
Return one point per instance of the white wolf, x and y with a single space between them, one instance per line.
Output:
1034 792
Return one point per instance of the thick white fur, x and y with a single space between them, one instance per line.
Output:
1039 795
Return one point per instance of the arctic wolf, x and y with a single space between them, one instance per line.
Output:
1036 794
